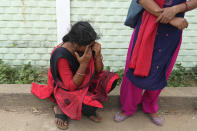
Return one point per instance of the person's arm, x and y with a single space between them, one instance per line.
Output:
98 63
79 75
70 82
189 5
83 61
170 12
152 7
98 59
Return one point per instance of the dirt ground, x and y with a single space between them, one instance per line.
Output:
32 114
21 111
29 121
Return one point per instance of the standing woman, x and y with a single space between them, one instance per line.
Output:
76 80
152 53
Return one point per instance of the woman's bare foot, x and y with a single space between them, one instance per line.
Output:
95 118
156 119
61 119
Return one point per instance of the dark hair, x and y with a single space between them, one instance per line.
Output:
81 33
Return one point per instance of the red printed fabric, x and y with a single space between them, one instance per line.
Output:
141 58
71 101
43 91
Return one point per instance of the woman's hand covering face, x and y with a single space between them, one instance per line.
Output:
85 58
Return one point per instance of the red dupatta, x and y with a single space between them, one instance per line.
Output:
141 58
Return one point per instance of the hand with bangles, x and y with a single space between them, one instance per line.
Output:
168 14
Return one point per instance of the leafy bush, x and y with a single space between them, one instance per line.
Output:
22 74
120 73
7 73
180 77
27 73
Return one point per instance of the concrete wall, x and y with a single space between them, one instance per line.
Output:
28 30
108 18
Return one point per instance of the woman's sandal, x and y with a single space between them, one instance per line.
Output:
119 117
157 120
64 119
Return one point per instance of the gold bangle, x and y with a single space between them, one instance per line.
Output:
100 58
80 74
186 7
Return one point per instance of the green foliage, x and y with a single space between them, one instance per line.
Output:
180 77
22 74
120 73
194 104
7 73
194 72
13 44
107 68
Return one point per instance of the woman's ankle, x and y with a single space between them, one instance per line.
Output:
154 115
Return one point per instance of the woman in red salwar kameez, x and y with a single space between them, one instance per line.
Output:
76 80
